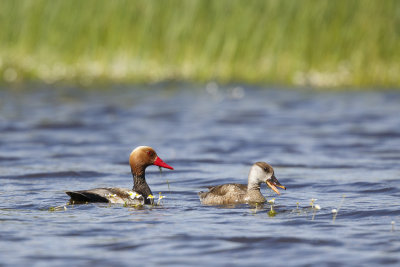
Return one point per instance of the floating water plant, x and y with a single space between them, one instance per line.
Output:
134 195
272 212
255 209
58 208
335 211
297 210
316 207
151 197
160 197
312 202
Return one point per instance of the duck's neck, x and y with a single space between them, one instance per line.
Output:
254 193
253 186
140 185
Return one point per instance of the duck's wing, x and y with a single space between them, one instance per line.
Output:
107 195
224 189
223 194
93 195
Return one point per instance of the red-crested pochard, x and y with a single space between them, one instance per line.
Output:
260 172
140 158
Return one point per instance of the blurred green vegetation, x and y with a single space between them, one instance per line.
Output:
323 43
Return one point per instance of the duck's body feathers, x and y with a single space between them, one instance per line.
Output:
108 195
230 194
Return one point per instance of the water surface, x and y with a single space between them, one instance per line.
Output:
333 147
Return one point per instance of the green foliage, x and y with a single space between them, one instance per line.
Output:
301 42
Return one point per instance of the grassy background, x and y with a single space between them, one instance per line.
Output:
322 43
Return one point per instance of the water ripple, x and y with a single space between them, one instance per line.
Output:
69 174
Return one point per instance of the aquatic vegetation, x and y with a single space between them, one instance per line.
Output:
135 206
271 212
151 197
336 211
134 195
255 208
317 43
58 208
315 208
160 197
312 202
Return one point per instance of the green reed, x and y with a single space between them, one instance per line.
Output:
321 43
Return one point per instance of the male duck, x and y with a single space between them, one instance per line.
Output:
140 158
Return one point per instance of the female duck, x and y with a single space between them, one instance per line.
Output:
260 172
140 158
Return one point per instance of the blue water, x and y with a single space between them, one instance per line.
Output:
341 148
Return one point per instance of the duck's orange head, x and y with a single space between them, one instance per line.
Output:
144 156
